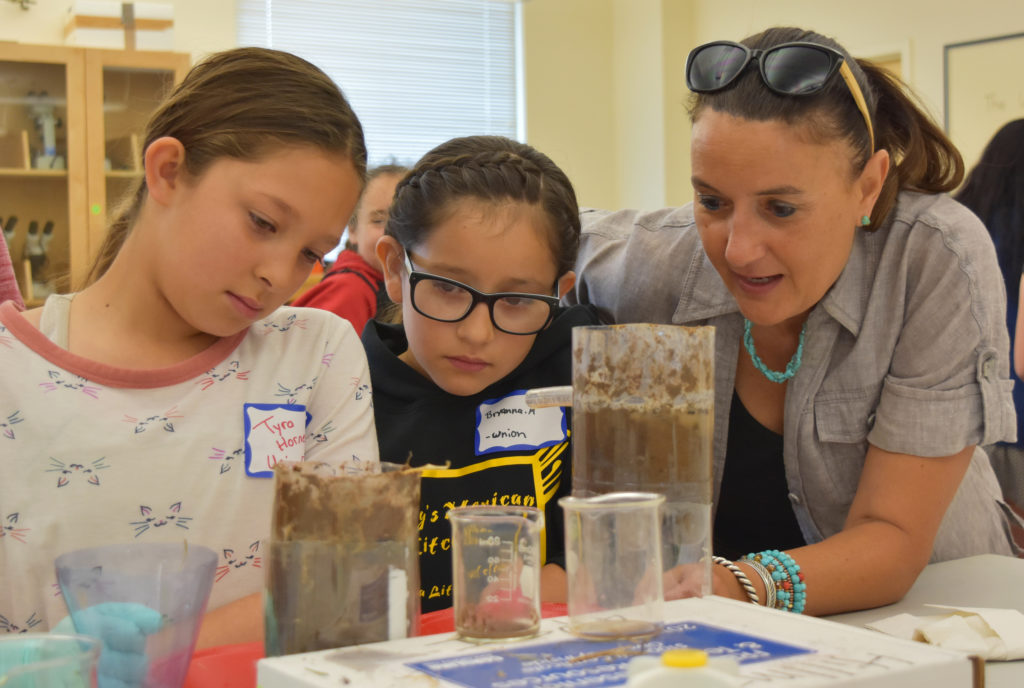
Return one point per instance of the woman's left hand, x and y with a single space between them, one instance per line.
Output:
686 580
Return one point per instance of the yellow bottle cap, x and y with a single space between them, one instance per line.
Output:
684 659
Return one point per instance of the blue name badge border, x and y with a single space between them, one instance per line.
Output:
249 470
477 440
576 662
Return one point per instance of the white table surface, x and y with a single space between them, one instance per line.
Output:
987 580
981 581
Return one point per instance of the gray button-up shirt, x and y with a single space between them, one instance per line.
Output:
907 351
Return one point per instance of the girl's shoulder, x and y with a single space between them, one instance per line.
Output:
577 315
291 333
33 316
299 320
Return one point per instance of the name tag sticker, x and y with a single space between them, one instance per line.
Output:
508 424
273 433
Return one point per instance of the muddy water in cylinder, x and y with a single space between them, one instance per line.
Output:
643 420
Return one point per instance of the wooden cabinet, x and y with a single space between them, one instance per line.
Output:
71 121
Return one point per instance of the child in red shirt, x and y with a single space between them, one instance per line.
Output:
354 286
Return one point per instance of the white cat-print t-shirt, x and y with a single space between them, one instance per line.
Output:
93 454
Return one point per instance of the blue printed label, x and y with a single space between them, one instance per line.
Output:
587 663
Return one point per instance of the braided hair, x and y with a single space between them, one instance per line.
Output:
486 168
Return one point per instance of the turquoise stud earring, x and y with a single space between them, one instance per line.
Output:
865 221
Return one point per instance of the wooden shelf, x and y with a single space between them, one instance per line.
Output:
22 172
101 100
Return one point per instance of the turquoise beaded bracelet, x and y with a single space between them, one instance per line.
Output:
791 590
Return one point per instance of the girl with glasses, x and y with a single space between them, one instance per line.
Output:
479 247
861 348
152 404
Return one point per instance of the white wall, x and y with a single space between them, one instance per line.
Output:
604 78
873 27
639 102
918 29
570 107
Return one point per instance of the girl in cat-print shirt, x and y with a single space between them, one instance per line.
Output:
153 404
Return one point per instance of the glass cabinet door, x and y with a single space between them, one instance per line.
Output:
123 89
42 164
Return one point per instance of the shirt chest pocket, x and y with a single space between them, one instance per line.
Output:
842 423
844 418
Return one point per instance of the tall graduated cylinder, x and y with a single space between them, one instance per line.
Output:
643 420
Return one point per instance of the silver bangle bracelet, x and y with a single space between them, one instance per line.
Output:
770 591
748 587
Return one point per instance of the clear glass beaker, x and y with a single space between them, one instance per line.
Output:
147 596
643 420
48 660
613 564
342 560
496 571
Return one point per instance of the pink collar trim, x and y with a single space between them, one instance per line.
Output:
112 376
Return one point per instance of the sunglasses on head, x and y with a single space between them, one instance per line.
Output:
789 69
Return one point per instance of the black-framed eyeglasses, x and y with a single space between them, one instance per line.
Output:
790 69
447 300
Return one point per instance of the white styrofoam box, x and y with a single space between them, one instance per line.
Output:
772 647
96 8
150 16
99 24
95 24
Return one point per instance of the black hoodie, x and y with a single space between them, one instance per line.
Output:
497 450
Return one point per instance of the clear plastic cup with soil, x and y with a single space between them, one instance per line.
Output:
643 421
343 567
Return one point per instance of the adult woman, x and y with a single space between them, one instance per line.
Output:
874 355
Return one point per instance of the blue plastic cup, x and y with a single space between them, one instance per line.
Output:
145 602
47 660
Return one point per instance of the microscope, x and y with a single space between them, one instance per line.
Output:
36 244
46 122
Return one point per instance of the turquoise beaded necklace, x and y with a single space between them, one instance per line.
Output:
774 375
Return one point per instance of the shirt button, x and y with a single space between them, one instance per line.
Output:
988 369
794 498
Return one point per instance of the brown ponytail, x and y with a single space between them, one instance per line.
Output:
922 158
117 231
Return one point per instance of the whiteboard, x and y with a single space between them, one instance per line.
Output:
983 90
